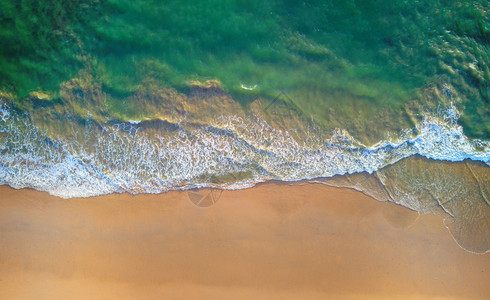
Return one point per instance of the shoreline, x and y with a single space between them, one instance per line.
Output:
271 241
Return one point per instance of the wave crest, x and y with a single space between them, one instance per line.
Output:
232 152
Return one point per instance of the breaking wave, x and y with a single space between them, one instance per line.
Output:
231 153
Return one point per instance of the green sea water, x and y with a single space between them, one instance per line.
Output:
356 58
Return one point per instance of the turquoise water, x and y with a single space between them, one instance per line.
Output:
376 55
351 85
372 53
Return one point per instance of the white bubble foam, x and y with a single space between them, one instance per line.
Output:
126 158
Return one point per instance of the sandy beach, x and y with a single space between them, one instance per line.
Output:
273 241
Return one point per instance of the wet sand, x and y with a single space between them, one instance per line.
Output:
302 241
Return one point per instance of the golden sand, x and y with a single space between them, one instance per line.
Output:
269 242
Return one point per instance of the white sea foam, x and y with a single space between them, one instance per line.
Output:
248 88
125 158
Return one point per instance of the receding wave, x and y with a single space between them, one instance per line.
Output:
231 152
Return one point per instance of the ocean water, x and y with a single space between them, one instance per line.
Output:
333 58
117 96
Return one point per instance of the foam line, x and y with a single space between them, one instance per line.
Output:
232 153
